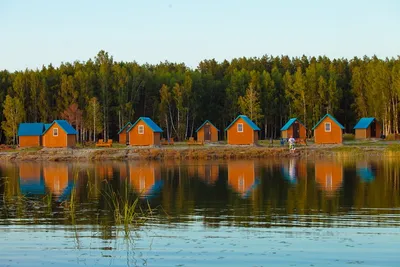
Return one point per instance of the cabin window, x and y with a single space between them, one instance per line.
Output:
327 126
55 131
141 129
240 127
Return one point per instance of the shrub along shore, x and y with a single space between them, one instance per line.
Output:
193 152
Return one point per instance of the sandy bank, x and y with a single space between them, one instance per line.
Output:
185 152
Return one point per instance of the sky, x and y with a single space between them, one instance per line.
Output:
40 32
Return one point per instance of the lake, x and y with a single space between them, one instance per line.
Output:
289 212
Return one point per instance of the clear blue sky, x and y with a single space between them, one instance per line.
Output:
40 32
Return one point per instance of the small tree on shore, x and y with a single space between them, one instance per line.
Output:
14 114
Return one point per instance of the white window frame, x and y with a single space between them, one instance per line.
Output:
330 127
240 124
55 131
141 129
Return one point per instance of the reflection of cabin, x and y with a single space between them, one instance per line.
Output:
242 131
104 171
122 134
144 132
242 177
328 131
367 128
31 181
208 172
58 178
30 134
59 134
293 128
329 175
207 132
365 171
145 177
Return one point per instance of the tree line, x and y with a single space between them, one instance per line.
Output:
101 95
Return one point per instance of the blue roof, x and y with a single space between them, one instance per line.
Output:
128 124
47 126
332 118
289 123
68 129
153 126
247 120
207 121
364 123
30 129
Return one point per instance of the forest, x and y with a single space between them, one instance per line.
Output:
101 95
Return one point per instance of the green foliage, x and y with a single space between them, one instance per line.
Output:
14 114
348 137
180 98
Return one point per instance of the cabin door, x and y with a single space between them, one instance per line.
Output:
207 133
373 129
296 130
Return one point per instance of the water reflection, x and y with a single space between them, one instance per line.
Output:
329 175
294 169
145 178
243 177
246 192
366 170
31 180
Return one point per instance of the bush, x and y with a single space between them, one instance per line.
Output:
348 137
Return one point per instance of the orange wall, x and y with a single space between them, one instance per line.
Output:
71 140
241 175
56 177
143 175
332 137
214 134
361 134
366 133
247 137
147 139
329 175
122 138
58 141
29 141
289 132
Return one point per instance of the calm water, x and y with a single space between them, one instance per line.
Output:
231 213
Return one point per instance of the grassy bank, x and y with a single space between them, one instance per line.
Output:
265 149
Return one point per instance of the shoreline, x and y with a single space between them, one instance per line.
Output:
186 152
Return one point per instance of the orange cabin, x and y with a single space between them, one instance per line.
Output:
328 131
242 177
30 134
207 132
122 134
368 128
294 128
329 175
59 134
242 131
144 132
143 176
